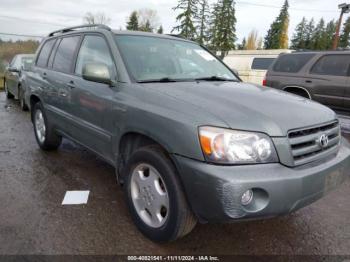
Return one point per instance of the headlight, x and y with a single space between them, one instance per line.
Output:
221 145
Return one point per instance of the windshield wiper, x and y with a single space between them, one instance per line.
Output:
161 80
215 78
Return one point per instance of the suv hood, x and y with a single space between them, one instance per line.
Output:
248 107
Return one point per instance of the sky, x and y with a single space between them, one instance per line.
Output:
39 17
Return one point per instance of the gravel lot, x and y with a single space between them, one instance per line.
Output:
33 221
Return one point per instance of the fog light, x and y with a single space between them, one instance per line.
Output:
247 197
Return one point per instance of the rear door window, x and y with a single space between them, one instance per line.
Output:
334 65
64 57
291 63
262 63
44 53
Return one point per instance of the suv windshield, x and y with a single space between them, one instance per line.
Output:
168 60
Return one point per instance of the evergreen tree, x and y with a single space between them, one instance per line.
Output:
277 35
223 28
330 34
242 46
300 36
160 30
310 28
345 35
319 37
203 18
133 23
189 10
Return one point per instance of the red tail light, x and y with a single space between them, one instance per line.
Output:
264 82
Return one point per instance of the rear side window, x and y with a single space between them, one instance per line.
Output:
44 53
335 65
65 54
262 63
291 63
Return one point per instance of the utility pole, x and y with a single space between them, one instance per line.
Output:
345 8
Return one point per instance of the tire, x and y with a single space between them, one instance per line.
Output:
177 218
7 92
22 102
45 136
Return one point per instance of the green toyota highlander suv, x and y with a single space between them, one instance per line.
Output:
190 142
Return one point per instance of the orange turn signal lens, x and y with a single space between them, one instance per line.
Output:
206 144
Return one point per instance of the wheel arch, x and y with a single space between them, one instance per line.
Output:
298 89
131 141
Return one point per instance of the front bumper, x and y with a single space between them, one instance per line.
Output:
214 192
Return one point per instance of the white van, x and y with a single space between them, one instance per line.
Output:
252 65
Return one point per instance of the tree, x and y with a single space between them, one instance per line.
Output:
146 27
319 37
252 41
242 46
330 34
96 18
345 35
203 19
300 36
133 23
160 30
188 12
310 28
277 35
223 28
148 19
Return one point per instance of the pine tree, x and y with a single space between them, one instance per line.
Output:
345 35
330 34
319 37
300 36
277 35
202 20
223 28
310 28
160 30
242 46
189 9
133 23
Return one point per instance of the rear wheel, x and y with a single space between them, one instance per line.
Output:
7 92
45 136
155 197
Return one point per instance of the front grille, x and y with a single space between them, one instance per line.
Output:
306 145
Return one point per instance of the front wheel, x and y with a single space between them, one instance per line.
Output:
45 136
7 92
155 197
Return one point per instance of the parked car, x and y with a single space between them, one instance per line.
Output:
320 76
189 141
252 65
13 85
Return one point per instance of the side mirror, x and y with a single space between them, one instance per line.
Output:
97 72
13 70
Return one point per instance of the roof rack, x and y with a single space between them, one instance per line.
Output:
68 29
176 35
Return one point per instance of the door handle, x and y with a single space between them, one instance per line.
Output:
64 94
71 84
308 81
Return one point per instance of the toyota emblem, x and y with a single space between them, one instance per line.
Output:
323 140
